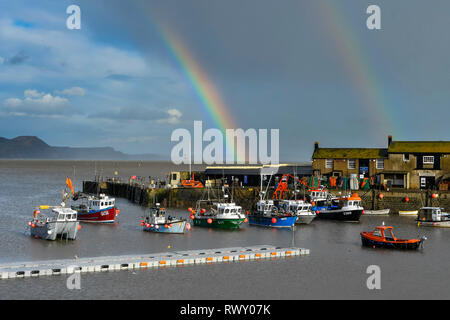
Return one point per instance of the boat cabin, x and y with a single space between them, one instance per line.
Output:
64 214
432 214
226 208
295 206
102 202
352 201
318 195
384 232
265 207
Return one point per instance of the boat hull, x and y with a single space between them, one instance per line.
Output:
341 215
233 223
390 245
101 216
172 227
281 222
55 229
437 224
383 212
305 219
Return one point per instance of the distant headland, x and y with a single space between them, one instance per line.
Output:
31 147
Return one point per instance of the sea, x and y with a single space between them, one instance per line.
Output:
338 266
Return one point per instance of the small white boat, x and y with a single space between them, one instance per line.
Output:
433 217
382 212
408 213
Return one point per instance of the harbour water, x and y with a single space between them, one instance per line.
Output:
335 268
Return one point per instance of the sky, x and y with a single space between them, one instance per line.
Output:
138 70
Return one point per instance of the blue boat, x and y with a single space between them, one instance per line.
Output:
158 221
268 214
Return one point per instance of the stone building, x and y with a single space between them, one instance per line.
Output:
403 164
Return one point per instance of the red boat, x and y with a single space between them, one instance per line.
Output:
382 237
100 209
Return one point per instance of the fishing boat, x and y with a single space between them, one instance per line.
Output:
220 215
96 208
54 222
433 217
381 212
268 214
299 208
383 237
346 208
157 220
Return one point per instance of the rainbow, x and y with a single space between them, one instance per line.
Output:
209 96
355 60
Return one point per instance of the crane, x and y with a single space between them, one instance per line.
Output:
283 186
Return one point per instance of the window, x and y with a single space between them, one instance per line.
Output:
428 159
328 163
351 163
406 157
380 164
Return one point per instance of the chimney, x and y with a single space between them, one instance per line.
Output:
316 145
389 140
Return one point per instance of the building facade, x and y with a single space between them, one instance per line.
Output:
403 164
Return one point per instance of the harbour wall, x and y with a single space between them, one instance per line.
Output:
183 198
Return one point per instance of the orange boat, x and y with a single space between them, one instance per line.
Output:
382 237
191 183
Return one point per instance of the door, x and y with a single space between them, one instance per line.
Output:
363 168
427 182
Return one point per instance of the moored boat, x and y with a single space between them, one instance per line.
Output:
268 214
58 222
343 209
381 212
299 208
383 237
408 213
433 217
96 208
157 220
220 215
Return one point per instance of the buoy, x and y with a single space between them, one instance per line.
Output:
29 223
317 211
142 223
188 226
363 212
189 209
33 225
245 220
247 212
434 195
274 220
406 199
192 217
381 196
36 236
166 226
202 211
79 227
209 220
170 225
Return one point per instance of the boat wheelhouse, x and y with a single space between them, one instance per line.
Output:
433 217
157 220
99 208
383 237
54 222
303 210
